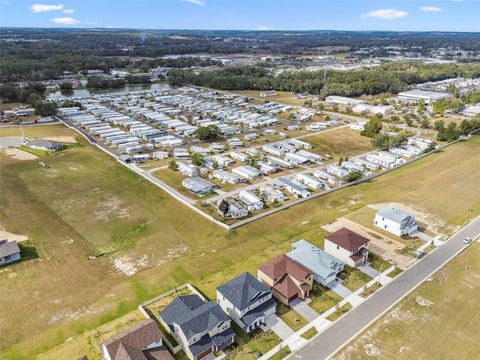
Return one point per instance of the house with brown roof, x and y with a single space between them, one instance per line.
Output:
141 342
287 278
347 246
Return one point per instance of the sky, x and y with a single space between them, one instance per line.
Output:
396 15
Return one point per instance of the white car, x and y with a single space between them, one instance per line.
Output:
467 240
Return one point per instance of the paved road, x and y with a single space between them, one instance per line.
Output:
341 332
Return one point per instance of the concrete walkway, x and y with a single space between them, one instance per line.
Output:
303 309
278 326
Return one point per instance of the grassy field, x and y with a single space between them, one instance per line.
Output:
340 312
341 142
38 131
88 204
439 320
324 298
248 347
284 97
310 333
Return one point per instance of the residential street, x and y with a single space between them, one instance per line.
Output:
341 332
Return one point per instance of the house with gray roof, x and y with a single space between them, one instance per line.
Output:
247 301
201 328
395 221
9 252
324 267
198 185
46 145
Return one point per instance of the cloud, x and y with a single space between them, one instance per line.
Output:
42 8
264 28
431 9
385 14
196 2
68 11
90 22
64 21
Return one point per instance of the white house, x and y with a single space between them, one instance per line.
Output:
347 246
187 169
246 171
395 221
251 201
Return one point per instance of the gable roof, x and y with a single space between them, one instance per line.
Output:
129 345
282 265
347 239
193 315
243 290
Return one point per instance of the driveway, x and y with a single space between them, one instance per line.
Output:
274 323
367 269
339 289
303 309
423 236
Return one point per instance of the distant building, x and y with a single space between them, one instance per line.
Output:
268 93
9 252
395 221
198 186
141 342
342 100
46 145
428 96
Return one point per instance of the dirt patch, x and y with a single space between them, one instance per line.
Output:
371 350
5 235
381 245
420 300
432 222
63 139
129 266
19 154
112 206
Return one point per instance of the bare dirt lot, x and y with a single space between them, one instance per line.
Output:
18 154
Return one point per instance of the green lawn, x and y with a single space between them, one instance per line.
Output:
323 298
247 347
292 318
310 333
353 279
89 204
340 312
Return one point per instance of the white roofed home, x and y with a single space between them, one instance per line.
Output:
247 171
251 201
395 221
187 169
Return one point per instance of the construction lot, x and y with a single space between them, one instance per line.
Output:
441 317
145 235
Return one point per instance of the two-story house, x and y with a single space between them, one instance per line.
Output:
347 246
247 301
287 278
201 328
395 221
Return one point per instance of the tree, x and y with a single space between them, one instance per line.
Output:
353 176
197 159
45 108
466 127
209 132
224 207
421 106
372 127
452 132
340 161
381 141
425 124
66 85
172 165
439 124
440 106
